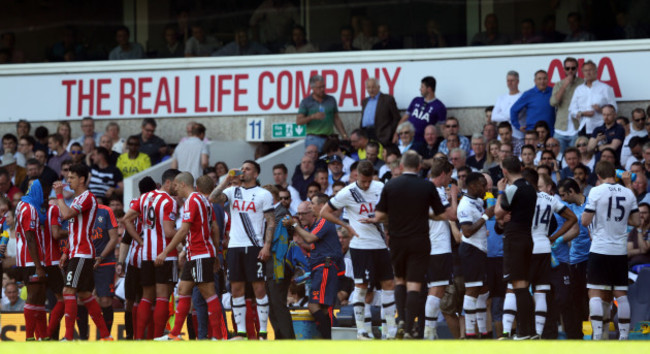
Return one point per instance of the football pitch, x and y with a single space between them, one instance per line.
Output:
328 347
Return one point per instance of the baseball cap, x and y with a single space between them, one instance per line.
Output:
8 159
334 158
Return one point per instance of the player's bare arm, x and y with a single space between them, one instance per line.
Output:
293 226
571 220
380 216
180 235
64 210
470 229
217 195
265 253
328 214
129 225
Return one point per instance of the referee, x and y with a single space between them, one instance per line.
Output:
404 204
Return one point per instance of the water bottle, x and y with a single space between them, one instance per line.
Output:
3 241
554 261
235 172
490 203
619 175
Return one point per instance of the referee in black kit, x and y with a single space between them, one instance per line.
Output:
404 203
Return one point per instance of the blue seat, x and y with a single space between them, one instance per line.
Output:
639 297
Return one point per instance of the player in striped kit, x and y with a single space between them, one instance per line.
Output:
251 234
157 214
53 234
129 257
199 225
29 252
79 261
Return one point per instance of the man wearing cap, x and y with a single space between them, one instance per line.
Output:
335 168
16 173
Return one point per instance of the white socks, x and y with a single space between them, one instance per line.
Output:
239 313
263 312
509 312
623 317
358 302
481 312
596 315
469 305
540 312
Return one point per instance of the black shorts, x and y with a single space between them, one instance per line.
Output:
104 280
24 274
440 270
54 280
243 264
79 274
132 286
200 270
473 265
605 272
151 275
495 283
540 271
517 253
371 266
410 258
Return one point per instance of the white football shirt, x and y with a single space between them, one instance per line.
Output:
247 208
439 233
612 204
469 211
545 208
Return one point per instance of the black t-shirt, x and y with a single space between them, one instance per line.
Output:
520 199
407 199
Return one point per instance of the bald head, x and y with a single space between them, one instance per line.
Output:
304 207
185 178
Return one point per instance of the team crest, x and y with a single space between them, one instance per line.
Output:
100 219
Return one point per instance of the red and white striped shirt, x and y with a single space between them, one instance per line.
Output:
154 208
52 247
199 213
133 256
80 228
27 220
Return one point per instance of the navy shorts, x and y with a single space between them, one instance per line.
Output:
371 266
324 284
473 265
243 264
104 280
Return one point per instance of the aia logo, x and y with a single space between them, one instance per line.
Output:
243 206
605 65
368 209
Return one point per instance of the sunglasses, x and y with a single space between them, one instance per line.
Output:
76 152
451 126
285 198
570 68
404 133
639 120
581 145
552 145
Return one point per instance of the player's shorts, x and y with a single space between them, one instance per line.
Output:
104 280
517 253
440 270
473 265
200 270
25 273
495 282
165 274
410 258
324 284
54 280
243 264
79 274
605 272
540 271
371 266
132 287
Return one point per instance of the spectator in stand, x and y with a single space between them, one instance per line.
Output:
609 135
359 140
333 147
589 98
272 21
76 153
477 160
549 159
335 169
286 200
501 111
41 156
299 42
386 41
105 180
320 113
10 146
549 33
59 154
528 34
572 158
222 170
566 128
26 146
638 241
346 41
7 188
88 148
280 174
535 102
458 158
16 173
133 161
625 123
322 178
241 46
23 128
113 132
303 176
640 188
490 131
637 129
365 38
432 38
192 155
636 151
406 131
451 127
173 47
106 142
491 36
200 45
505 136
492 158
150 143
424 110
88 129
312 189
372 155
430 146
14 302
577 34
63 128
586 158
505 150
40 134
580 175
125 49
531 138
379 114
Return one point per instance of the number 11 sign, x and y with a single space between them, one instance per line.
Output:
255 129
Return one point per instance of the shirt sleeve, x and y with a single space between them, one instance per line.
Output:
28 222
303 108
508 195
111 217
170 211
189 211
592 199
267 202
558 207
514 110
340 200
228 192
434 202
464 214
85 204
54 216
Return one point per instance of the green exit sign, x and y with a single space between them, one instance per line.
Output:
288 130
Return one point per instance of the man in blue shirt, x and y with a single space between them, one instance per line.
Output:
424 110
536 103
569 191
325 262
